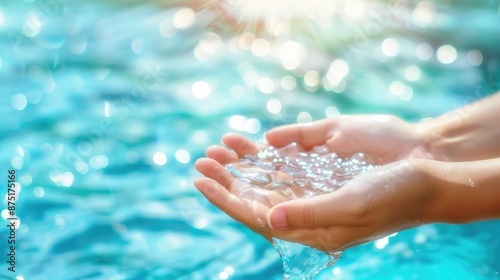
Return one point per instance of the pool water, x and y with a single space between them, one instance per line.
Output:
106 106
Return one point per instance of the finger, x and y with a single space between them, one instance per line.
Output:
240 144
222 198
341 145
308 135
245 211
221 154
338 208
331 239
214 170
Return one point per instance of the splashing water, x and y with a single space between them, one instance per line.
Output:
276 175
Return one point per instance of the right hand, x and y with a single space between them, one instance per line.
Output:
382 138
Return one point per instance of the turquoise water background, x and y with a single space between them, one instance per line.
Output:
106 105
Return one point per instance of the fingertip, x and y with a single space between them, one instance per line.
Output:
207 187
278 137
211 149
204 165
198 182
269 135
225 137
221 154
199 162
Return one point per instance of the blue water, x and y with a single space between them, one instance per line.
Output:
101 117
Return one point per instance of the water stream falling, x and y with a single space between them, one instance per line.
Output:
276 175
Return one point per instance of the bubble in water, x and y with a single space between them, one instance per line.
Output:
276 175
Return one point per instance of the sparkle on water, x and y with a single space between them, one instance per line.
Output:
107 105
276 175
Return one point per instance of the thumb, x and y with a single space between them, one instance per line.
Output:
342 145
320 211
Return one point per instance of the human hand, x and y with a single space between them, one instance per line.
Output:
372 205
382 138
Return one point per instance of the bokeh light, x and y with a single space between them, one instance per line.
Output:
201 89
184 18
390 47
474 57
182 156
160 158
413 73
274 106
424 52
260 47
288 82
19 101
423 14
446 54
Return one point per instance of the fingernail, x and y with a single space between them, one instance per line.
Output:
278 219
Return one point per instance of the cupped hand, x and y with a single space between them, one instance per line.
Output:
382 138
372 205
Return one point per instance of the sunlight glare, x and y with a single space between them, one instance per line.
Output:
276 10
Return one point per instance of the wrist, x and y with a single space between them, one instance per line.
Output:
428 174
450 196
464 191
438 140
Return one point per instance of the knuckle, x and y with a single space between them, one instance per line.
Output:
308 215
224 180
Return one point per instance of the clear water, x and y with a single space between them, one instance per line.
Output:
276 175
106 105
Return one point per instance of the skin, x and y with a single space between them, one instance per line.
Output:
435 171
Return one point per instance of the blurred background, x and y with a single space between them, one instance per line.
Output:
105 106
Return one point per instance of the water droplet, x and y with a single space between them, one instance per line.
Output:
261 222
471 183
